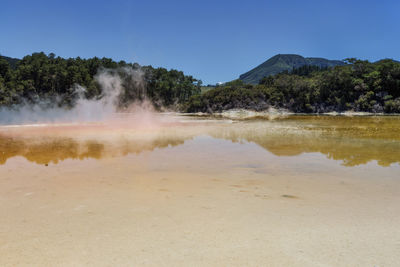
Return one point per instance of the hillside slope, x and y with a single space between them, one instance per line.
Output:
12 61
283 62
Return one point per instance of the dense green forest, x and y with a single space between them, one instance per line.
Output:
51 80
357 86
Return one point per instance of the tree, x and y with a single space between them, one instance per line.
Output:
4 67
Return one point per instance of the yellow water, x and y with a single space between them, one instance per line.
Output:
181 190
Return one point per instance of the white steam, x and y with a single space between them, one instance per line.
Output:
86 110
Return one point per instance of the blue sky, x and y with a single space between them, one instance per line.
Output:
211 40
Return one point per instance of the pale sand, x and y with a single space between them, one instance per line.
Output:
207 202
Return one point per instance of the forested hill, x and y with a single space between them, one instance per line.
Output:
284 62
11 61
41 78
356 86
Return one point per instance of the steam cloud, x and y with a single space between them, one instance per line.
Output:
112 84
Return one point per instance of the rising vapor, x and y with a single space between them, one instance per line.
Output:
113 83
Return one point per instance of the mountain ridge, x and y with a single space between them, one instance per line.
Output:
285 62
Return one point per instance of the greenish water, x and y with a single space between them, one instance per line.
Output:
350 140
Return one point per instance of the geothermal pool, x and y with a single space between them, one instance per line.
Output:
201 191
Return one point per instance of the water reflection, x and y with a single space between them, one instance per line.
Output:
351 140
59 149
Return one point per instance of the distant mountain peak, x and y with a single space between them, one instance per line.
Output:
283 62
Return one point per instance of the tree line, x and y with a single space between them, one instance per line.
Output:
357 86
51 80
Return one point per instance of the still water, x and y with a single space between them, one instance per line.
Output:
181 190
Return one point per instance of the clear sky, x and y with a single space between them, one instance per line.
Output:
211 40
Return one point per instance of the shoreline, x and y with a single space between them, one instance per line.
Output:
278 113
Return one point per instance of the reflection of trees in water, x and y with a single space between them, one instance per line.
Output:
43 152
55 150
353 145
354 141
